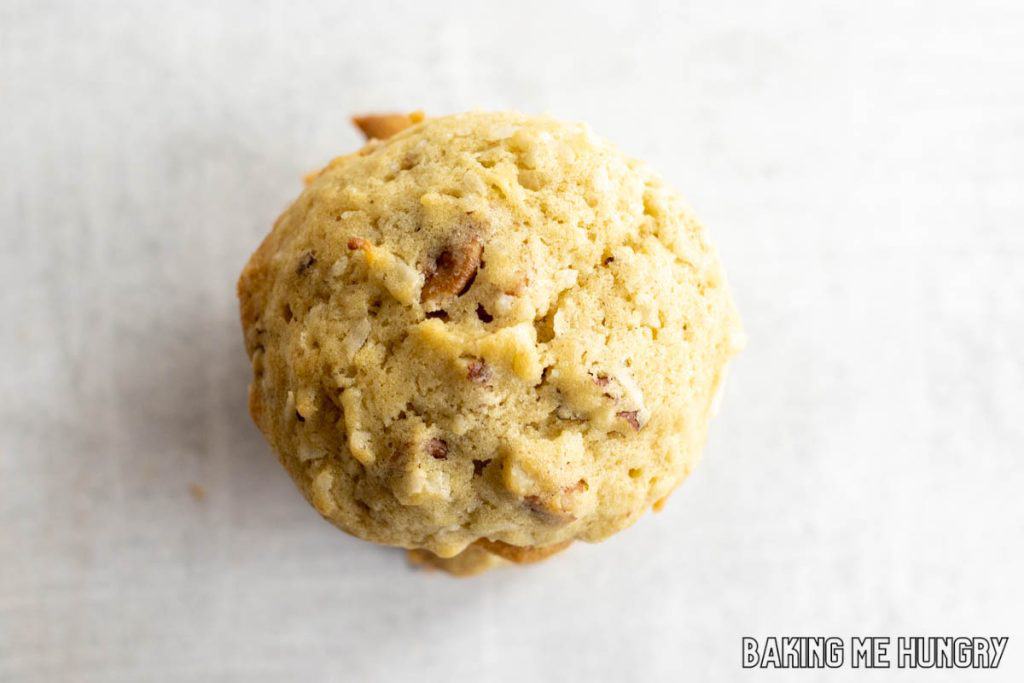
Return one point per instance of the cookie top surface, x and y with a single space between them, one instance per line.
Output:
491 326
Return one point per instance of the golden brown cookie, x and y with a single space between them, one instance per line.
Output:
487 331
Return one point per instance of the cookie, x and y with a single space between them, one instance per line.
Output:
486 331
470 562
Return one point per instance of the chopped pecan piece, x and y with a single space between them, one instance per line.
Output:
632 417
603 381
357 243
383 126
437 449
549 516
478 372
452 271
479 466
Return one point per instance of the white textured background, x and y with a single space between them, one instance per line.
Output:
860 166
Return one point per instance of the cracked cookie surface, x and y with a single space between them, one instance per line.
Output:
488 329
